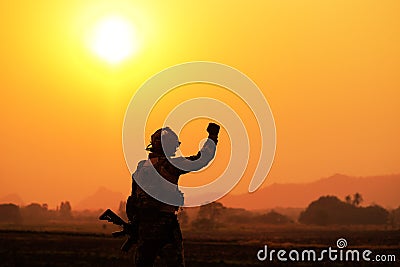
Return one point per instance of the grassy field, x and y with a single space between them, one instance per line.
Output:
85 245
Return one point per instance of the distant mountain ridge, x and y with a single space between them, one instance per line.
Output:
381 190
103 198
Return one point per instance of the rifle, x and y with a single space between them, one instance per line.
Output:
129 229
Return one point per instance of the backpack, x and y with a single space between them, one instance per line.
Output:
146 178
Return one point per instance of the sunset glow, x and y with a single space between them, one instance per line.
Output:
114 39
328 69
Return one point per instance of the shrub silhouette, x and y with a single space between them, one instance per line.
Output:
209 216
328 210
273 217
35 213
65 210
10 213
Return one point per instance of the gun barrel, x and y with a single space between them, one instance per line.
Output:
127 229
110 216
119 233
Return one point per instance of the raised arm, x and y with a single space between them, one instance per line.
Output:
203 157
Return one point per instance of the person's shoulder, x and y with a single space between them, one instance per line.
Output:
140 163
176 160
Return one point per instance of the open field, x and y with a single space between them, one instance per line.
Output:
223 247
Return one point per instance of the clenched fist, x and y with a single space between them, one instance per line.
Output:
213 129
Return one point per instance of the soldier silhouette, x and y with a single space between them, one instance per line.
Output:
159 233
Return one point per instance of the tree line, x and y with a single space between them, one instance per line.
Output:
34 213
325 211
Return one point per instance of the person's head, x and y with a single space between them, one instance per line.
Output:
164 141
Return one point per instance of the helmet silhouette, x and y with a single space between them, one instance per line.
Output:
164 141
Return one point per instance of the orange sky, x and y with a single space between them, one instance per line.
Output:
329 70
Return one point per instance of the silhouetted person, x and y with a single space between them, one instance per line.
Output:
158 228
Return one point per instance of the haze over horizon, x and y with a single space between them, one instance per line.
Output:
381 190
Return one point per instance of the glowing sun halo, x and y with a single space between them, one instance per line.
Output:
114 39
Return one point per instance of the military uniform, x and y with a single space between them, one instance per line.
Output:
159 235
159 232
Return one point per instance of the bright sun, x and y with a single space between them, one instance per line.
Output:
114 39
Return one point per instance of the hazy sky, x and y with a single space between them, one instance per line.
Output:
329 70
